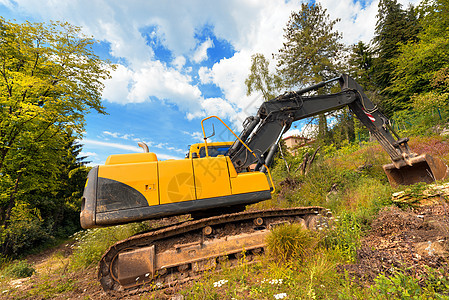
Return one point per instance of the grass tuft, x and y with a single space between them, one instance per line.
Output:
291 242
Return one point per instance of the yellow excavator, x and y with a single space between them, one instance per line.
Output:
214 184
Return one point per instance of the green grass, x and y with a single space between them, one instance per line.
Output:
92 243
18 269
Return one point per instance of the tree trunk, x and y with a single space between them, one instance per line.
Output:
311 160
12 202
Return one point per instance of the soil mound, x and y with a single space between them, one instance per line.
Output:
411 239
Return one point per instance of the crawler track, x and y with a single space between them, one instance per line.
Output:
179 253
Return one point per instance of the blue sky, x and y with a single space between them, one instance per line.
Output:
179 61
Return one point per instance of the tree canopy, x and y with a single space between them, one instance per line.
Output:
310 53
49 79
312 47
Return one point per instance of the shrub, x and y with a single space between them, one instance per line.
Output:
25 232
400 286
19 269
92 243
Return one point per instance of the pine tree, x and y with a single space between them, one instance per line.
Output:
394 27
311 49
311 52
360 65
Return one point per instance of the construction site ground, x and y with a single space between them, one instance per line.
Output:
409 239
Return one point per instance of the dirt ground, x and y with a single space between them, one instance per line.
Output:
410 239
54 280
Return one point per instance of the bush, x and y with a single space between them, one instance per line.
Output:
25 233
401 286
19 269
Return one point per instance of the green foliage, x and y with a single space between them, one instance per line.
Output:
48 288
360 64
26 232
421 61
260 79
343 132
394 26
311 45
345 235
50 78
92 243
415 123
403 286
311 52
19 269
291 242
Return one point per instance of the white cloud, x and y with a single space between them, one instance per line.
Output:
90 142
7 3
357 22
201 52
205 75
92 154
197 136
117 88
153 79
130 137
112 134
249 26
179 62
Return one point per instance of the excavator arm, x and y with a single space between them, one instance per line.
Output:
262 132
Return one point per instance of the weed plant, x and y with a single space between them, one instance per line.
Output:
92 243
403 286
18 269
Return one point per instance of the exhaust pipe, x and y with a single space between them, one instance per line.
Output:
422 168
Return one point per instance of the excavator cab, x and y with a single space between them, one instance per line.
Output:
214 149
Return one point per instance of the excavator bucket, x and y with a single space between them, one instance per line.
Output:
422 168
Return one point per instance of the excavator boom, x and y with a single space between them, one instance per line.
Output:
276 116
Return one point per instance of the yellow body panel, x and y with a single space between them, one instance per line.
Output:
171 181
211 177
249 182
130 158
176 181
231 169
141 176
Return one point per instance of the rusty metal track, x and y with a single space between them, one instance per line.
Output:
179 253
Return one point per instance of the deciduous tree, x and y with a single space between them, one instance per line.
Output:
49 79
395 26
261 79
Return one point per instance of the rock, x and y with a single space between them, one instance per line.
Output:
430 248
